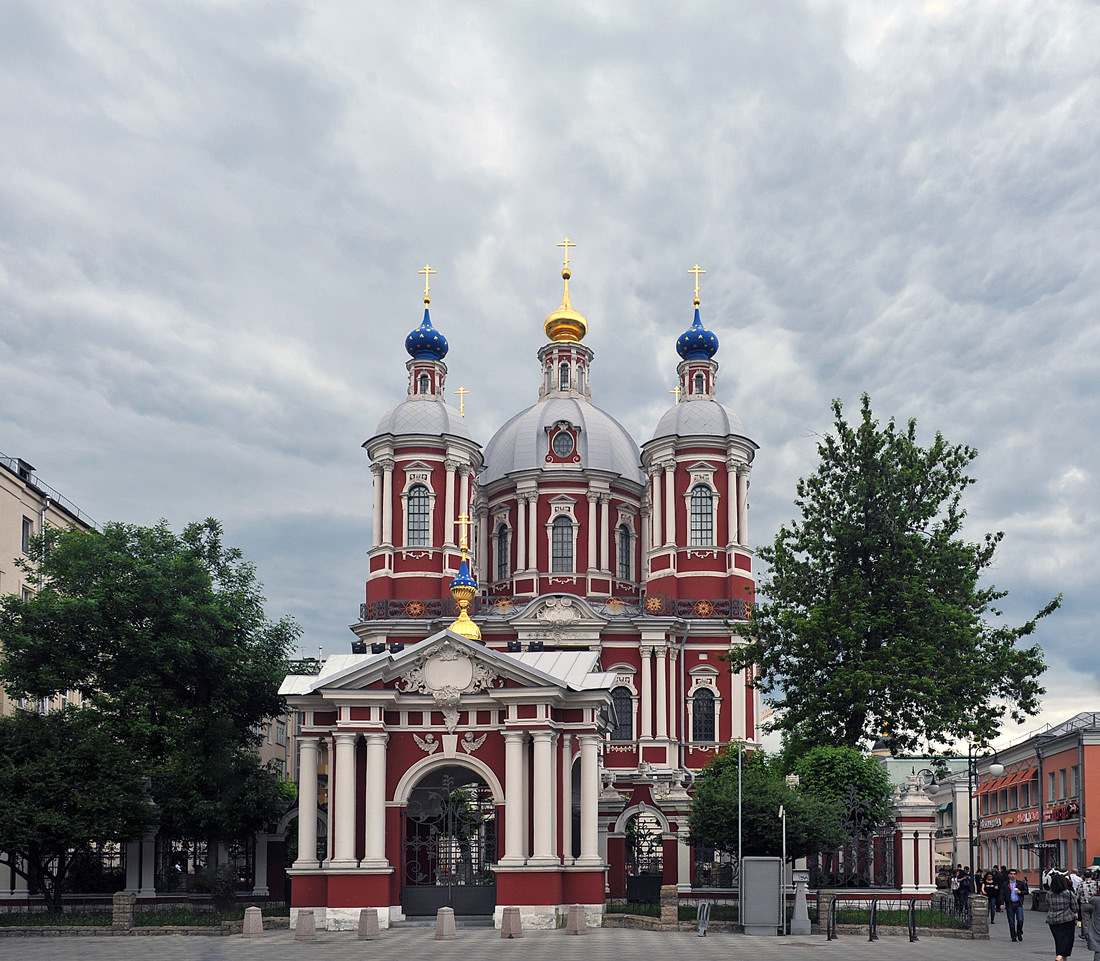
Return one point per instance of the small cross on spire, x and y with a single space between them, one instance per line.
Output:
462 392
677 390
463 521
697 270
567 243
427 272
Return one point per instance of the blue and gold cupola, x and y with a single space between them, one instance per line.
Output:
427 347
464 589
697 343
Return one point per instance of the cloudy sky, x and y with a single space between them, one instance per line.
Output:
212 215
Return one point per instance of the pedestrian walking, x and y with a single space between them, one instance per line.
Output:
1013 892
1061 915
1094 928
992 890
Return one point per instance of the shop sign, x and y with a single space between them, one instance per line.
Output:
990 823
1062 812
1028 816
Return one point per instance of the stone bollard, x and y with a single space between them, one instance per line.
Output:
305 929
670 905
510 924
253 923
368 925
122 909
979 916
576 922
445 925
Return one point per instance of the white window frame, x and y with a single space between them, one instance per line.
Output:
703 675
417 474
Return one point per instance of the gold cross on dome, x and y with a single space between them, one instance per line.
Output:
697 270
463 521
677 390
427 272
567 243
462 392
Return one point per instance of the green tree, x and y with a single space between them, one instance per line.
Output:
65 783
166 638
813 825
839 775
873 616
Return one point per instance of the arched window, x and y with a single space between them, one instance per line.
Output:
624 714
624 552
425 384
580 378
702 715
563 377
418 516
561 544
698 383
702 517
502 553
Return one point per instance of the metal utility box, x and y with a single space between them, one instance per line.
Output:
762 901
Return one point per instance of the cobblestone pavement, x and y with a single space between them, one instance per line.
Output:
474 944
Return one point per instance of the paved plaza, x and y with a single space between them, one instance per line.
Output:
474 944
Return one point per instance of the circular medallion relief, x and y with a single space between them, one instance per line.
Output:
454 672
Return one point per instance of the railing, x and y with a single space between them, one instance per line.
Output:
12 464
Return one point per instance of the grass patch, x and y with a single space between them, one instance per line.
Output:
182 914
647 909
718 912
894 917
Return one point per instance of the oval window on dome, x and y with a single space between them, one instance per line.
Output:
563 443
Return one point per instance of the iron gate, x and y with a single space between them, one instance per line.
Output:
645 850
450 845
865 861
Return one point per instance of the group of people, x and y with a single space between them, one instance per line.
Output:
1070 898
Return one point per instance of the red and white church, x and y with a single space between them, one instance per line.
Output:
536 750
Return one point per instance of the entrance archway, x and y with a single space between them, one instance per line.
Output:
449 844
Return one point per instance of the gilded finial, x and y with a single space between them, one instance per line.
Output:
565 324
677 390
697 270
464 589
462 392
427 272
463 521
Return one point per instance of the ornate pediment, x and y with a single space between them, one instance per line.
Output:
446 672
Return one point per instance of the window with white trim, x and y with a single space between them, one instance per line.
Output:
502 553
624 552
418 506
563 377
561 545
702 517
702 715
623 699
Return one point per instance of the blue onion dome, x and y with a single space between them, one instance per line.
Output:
426 343
697 343
463 579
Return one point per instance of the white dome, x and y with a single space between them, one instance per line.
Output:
699 418
521 444
423 417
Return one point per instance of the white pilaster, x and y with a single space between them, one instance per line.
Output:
514 799
375 851
148 887
647 693
259 880
566 795
376 525
521 532
532 531
670 502
732 499
464 493
657 508
605 533
19 890
449 502
343 853
662 691
133 867
387 502
593 541
307 804
590 789
683 860
543 811
743 505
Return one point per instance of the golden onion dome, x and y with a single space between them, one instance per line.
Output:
565 324
464 589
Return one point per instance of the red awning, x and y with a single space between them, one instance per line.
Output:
1008 779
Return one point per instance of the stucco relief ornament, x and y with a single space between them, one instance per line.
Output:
446 673
471 743
426 744
558 610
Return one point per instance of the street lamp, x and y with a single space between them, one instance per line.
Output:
996 769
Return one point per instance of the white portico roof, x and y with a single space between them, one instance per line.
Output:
566 669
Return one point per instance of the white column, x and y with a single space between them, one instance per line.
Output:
464 494
532 531
605 552
662 692
647 693
674 731
592 539
387 502
566 795
543 811
376 799
657 508
731 501
376 525
449 510
343 844
590 789
148 866
683 861
19 890
743 505
525 790
307 804
514 800
643 569
259 881
670 502
521 532
483 559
